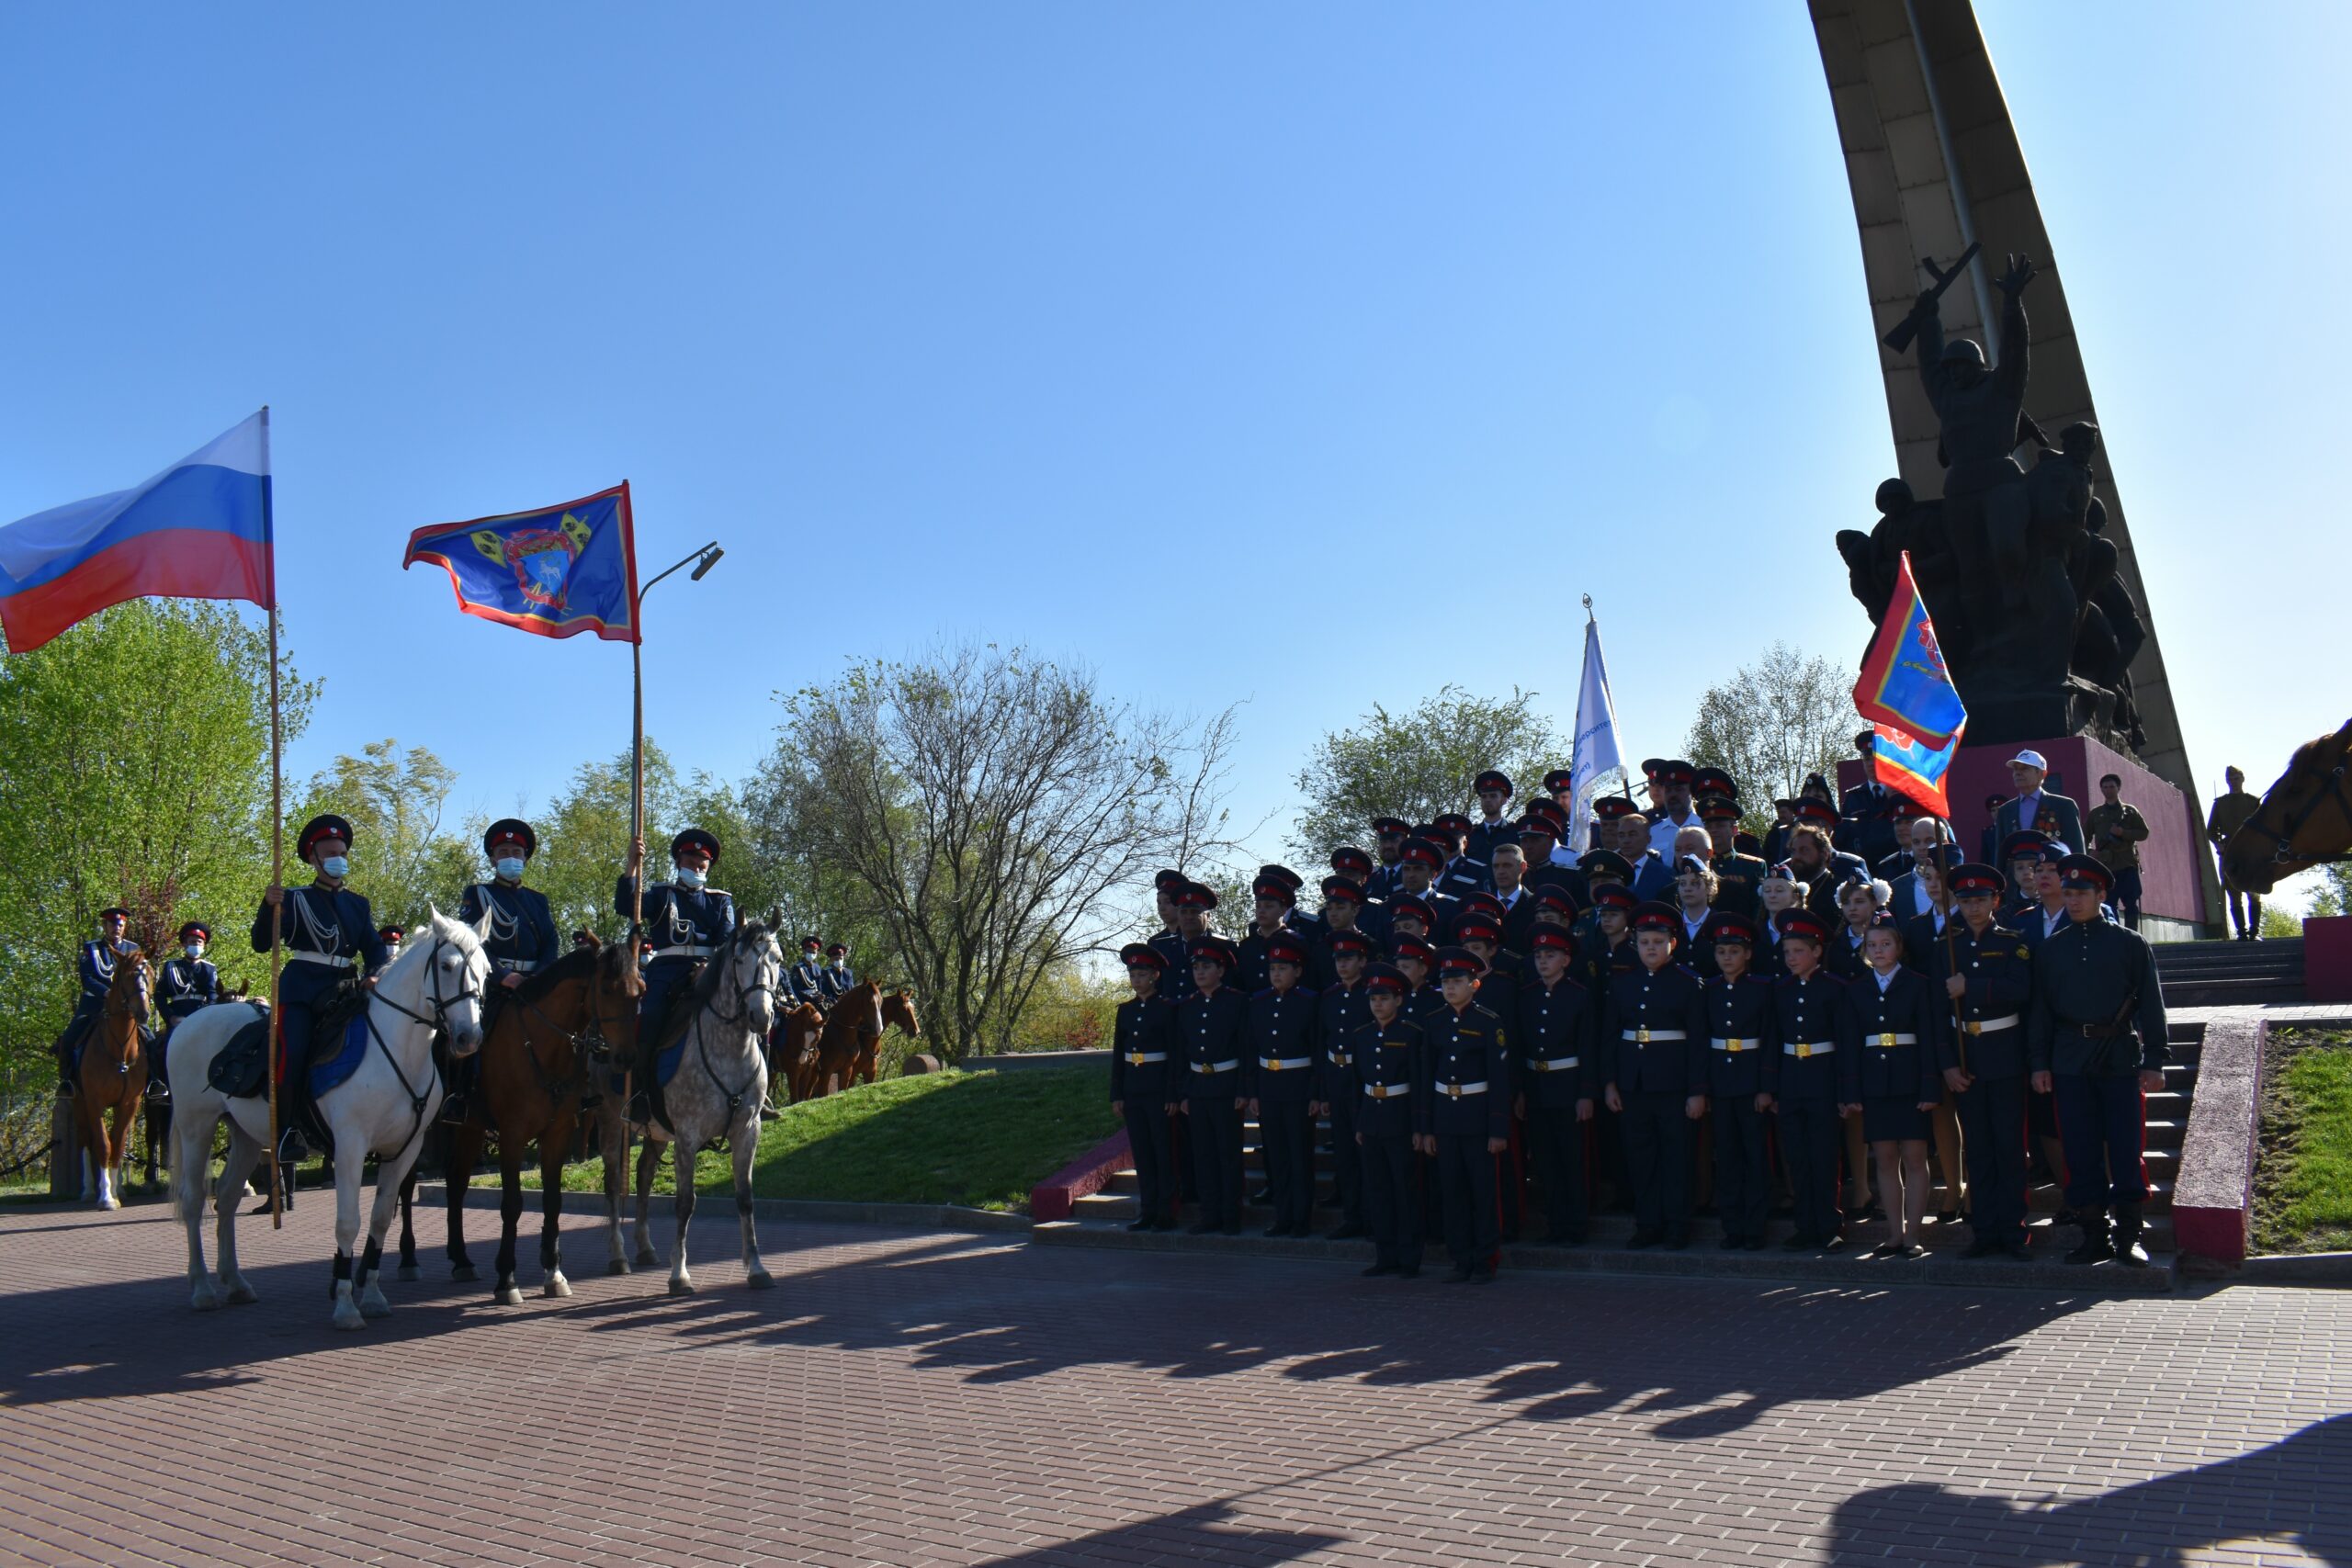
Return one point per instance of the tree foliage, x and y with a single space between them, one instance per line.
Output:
1771 724
404 858
1417 764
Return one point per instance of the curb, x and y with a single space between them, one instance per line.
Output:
2296 1269
1054 1198
805 1211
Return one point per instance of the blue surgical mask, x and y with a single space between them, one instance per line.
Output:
690 877
510 868
336 866
194 950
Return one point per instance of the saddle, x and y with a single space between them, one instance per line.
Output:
236 1069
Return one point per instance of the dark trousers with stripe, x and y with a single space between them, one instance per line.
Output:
1811 1137
2102 1122
1286 1135
1991 1136
1465 1176
1658 1160
1392 1198
1154 1146
1214 1126
1743 1166
1556 1140
1347 1168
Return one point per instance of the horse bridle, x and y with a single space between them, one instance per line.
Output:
2282 841
440 1022
589 1038
742 1019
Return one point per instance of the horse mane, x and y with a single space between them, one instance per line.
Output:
580 963
714 968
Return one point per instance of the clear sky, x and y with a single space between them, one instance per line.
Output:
1304 356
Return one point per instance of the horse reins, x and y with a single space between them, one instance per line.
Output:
438 1022
742 1020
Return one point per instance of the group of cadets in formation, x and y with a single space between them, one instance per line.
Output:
1476 994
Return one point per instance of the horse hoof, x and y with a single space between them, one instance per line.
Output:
680 1287
109 1203
556 1286
204 1299
375 1306
763 1280
346 1316
464 1271
405 1273
241 1294
648 1258
510 1295
617 1265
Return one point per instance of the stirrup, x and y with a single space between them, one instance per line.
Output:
293 1148
453 1107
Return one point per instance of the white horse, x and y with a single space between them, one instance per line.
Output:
383 1109
720 1084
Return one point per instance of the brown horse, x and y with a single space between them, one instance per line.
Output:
792 1051
899 1014
113 1077
2304 818
853 1032
555 1033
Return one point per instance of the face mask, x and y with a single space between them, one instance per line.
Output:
336 866
194 950
510 868
690 877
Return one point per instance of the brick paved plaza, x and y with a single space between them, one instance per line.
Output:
917 1398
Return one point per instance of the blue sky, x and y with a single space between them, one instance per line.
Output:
1147 337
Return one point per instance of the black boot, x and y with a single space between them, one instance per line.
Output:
460 1079
2128 1226
2096 1246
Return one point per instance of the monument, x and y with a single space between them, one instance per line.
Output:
2015 529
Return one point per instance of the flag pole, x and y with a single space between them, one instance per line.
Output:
277 838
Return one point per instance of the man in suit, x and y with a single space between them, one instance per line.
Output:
2025 813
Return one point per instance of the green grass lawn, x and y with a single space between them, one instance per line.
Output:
2304 1180
980 1140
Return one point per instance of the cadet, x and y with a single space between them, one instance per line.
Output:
1194 903
1423 861
1815 1029
325 928
1469 1116
1500 975
1354 865
1461 875
1343 913
1390 834
1416 959
2095 983
1144 1087
96 970
1282 1041
1606 948
1893 1080
1655 1022
805 977
835 979
1987 970
1739 878
520 938
1388 1054
1493 789
1271 909
1743 1061
186 983
1340 1009
1558 1060
1213 1024
685 918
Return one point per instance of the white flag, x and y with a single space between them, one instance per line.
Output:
1595 754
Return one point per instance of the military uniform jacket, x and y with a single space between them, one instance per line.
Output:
1215 1028
186 983
834 982
1655 1023
1340 1012
1176 980
1484 837
2083 977
1388 1079
1428 1000
1146 1064
1999 969
1283 1044
1462 877
96 967
1738 878
1499 986
1902 1033
1817 1033
522 931
1842 954
1558 1052
1322 969
681 922
1743 1036
1923 941
335 924
1697 950
1468 1078
1597 962
1248 977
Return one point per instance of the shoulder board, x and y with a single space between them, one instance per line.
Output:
717 892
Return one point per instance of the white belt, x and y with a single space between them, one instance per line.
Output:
1387 1090
1887 1041
1643 1036
1801 1049
1339 1058
330 960
1457 1091
1551 1064
1285 1064
1137 1058
688 951
1991 1025
1735 1046
517 966
1217 1066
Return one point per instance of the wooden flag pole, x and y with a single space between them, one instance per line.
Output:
277 841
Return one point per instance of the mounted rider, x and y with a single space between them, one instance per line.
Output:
684 918
392 937
518 936
835 979
96 969
328 932
805 980
188 982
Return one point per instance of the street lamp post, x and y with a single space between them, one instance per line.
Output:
702 561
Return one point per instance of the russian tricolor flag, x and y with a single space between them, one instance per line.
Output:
197 530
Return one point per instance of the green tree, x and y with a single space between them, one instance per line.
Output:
134 769
1417 764
1771 724
402 859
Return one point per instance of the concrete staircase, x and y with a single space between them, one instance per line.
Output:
2231 974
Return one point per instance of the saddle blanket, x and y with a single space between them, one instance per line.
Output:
666 1060
328 1072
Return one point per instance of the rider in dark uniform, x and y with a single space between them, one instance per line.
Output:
519 938
326 931
185 984
835 979
805 979
95 969
685 918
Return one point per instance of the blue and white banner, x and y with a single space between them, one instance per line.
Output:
1595 755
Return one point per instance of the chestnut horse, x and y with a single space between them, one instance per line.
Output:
899 1014
793 1050
113 1077
2304 818
853 1034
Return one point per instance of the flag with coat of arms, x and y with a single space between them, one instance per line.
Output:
1907 693
552 573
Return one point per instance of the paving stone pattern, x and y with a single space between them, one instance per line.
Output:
914 1398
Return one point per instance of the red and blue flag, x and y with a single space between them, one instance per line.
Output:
552 573
1907 694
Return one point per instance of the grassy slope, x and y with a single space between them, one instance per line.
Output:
977 1139
2303 1184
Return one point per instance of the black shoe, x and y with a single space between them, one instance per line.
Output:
2020 1249
2095 1245
1871 1212
1274 1232
1140 1226
1640 1239
1754 1244
1345 1233
1914 1250
1729 1243
1801 1244
1262 1198
1983 1246
1461 1276
1378 1270
1835 1244
1203 1228
1948 1217
1676 1241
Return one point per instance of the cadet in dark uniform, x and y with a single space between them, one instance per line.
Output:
185 984
95 969
1424 858
1390 834
1352 864
1145 1065
2093 989
1743 1062
520 938
1605 946
1893 1080
685 918
1817 1032
1493 827
326 930
1274 901
1340 1009
1739 877
1655 1022
1557 1056
1213 1024
1469 1089
1416 959
1389 1073
1987 971
1194 903
835 979
1501 973
1283 1043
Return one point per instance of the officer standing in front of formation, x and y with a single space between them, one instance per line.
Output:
2098 1043
1743 1058
1388 1075
1213 1024
1987 971
326 930
1342 1008
1143 1089
1817 1030
1282 1041
1655 1020
519 939
1558 1060
1470 1093
685 918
